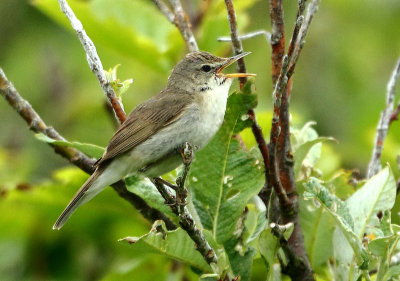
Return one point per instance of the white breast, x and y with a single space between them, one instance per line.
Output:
197 125
212 111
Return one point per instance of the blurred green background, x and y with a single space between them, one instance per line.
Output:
340 82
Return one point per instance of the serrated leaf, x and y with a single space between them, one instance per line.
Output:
340 212
222 167
377 194
175 244
87 148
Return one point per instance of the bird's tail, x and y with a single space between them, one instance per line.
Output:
89 190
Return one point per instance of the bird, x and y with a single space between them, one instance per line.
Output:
190 109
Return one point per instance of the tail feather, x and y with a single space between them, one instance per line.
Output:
84 194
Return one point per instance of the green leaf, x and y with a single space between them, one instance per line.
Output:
380 246
340 212
175 244
268 246
87 148
340 184
377 194
148 192
240 261
318 227
394 271
256 219
118 86
223 177
135 29
303 154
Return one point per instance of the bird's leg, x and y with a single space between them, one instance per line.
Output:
187 157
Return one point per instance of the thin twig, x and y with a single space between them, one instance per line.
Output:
178 206
165 10
311 11
93 60
246 36
384 122
74 156
238 49
181 21
236 43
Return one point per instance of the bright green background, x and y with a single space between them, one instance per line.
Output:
340 82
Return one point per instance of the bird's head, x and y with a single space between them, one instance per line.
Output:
202 71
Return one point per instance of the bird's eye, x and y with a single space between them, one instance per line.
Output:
206 68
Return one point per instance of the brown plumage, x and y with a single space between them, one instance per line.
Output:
146 120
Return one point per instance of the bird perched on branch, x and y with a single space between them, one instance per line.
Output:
190 109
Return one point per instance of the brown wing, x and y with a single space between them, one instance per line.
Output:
146 120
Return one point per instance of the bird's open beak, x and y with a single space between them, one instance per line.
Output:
228 63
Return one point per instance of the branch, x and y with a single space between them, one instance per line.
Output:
181 21
387 116
93 60
300 40
281 172
74 156
178 206
280 130
246 36
395 114
277 37
165 10
238 49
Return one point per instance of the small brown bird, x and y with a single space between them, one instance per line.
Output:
190 109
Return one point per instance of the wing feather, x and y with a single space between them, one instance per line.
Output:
146 120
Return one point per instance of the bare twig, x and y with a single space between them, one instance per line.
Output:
74 156
384 122
181 20
236 43
165 10
300 39
178 206
93 60
238 49
246 36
